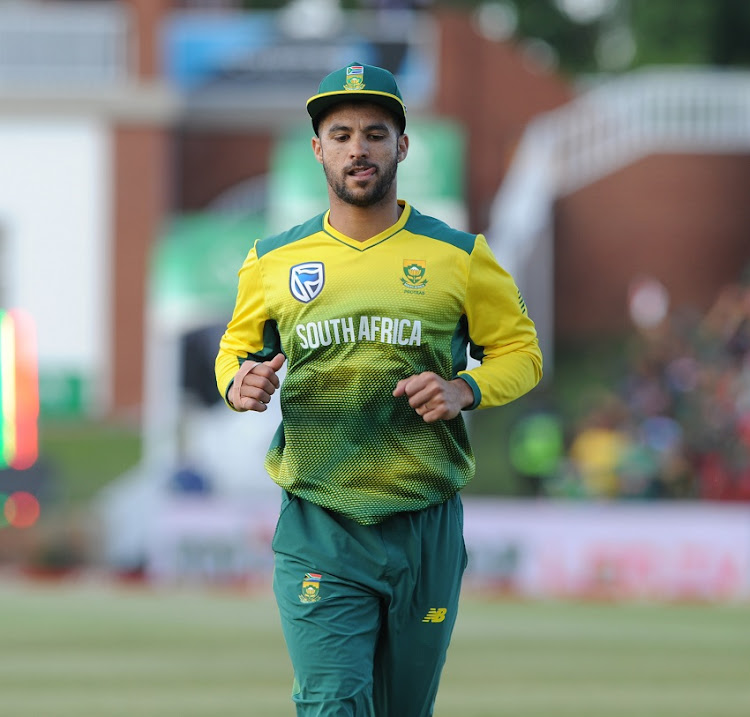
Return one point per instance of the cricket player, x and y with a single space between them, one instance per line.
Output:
372 305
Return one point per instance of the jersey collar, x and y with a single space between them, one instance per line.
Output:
372 241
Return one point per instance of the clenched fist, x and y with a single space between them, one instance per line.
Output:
254 384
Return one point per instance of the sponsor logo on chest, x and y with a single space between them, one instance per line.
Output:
306 280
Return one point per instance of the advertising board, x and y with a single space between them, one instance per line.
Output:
540 550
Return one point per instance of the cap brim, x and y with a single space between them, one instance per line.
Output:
318 104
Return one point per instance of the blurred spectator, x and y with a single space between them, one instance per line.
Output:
536 448
598 449
676 426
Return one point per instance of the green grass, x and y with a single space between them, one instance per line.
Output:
84 455
78 649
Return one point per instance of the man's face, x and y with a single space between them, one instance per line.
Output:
359 146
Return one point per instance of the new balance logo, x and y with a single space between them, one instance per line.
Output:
435 614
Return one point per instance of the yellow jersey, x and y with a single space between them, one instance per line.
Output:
353 318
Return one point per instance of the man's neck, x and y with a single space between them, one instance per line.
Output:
363 223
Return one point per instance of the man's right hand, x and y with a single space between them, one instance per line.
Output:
254 384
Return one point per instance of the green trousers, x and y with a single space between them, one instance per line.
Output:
367 611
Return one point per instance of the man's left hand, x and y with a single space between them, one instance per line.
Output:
434 398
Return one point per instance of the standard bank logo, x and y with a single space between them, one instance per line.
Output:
306 280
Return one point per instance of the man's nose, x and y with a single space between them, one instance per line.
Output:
359 147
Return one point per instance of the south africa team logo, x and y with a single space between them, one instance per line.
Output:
355 78
414 274
311 587
306 280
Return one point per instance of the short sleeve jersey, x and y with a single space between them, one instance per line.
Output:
353 318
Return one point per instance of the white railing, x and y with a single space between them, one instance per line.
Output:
655 111
63 45
601 131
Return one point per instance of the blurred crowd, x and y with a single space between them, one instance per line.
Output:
676 426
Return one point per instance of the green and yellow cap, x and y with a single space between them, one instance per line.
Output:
357 83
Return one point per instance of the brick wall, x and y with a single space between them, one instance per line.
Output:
211 162
493 89
683 219
139 209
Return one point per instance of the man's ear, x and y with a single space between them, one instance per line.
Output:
317 149
403 147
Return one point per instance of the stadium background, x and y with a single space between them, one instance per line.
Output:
602 145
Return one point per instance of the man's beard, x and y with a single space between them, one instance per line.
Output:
384 180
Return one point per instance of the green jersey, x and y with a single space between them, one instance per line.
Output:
353 318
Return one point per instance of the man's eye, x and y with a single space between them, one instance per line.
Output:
340 137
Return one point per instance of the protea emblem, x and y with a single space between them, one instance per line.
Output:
354 83
414 273
306 280
310 587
